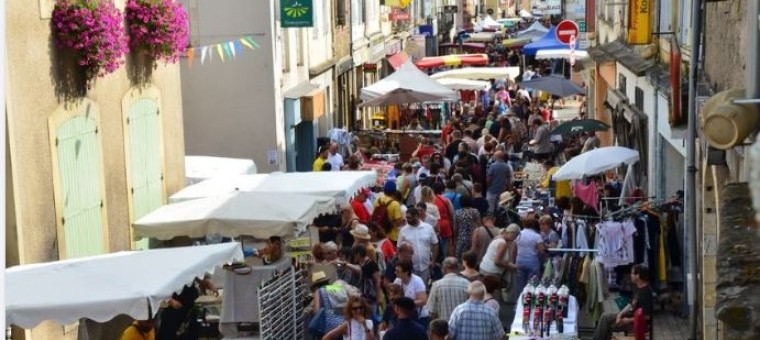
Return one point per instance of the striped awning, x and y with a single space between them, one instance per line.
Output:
454 60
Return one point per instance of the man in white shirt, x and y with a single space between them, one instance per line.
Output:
424 241
334 158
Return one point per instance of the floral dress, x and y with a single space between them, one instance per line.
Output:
466 220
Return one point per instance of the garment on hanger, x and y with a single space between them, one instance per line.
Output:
587 193
614 240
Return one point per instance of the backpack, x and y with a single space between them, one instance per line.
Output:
380 215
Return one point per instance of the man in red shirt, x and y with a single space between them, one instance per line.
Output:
358 205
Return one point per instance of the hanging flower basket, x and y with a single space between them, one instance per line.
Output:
158 28
93 30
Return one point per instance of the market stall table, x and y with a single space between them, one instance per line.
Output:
570 323
240 301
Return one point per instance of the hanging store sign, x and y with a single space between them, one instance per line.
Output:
675 83
640 22
399 14
296 13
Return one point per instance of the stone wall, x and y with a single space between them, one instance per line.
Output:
725 44
738 265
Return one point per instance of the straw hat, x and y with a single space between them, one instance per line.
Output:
361 232
318 277
506 197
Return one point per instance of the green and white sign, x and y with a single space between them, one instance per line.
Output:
296 13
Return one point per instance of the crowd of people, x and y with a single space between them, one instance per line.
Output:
440 250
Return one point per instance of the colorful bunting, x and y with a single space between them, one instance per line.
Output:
229 50
190 55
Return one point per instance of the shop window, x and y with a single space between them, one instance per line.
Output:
78 181
639 99
143 145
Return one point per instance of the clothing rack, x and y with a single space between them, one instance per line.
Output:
639 205
568 250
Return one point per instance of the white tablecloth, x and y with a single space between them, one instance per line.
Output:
570 323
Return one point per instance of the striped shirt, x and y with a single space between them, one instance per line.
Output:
446 294
473 320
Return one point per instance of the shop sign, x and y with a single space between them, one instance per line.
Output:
296 13
399 14
369 67
553 7
640 26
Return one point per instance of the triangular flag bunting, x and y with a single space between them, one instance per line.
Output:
226 49
220 50
204 51
190 57
246 43
232 49
236 43
253 42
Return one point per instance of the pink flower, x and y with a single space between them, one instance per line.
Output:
93 29
158 27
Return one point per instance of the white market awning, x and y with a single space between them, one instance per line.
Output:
465 84
479 73
257 214
102 287
341 185
199 168
408 79
561 54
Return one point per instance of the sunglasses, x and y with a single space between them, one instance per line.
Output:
358 308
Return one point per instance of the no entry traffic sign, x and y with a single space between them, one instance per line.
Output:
565 30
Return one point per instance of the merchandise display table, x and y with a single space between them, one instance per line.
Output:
570 330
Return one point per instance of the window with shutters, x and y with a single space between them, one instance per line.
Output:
78 180
143 142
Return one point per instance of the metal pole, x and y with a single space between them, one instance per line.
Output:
753 50
690 194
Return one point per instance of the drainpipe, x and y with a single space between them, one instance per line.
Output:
753 50
690 194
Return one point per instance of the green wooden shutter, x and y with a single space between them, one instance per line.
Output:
81 198
145 159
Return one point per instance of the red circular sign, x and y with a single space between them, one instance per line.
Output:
565 30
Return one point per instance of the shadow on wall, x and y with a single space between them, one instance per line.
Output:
69 79
140 68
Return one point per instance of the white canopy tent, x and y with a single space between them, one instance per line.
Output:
257 214
479 73
199 168
218 186
535 31
489 22
101 287
408 77
561 54
464 84
341 185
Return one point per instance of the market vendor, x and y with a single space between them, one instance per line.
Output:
623 321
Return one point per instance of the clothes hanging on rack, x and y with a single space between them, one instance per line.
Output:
343 138
587 193
615 243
